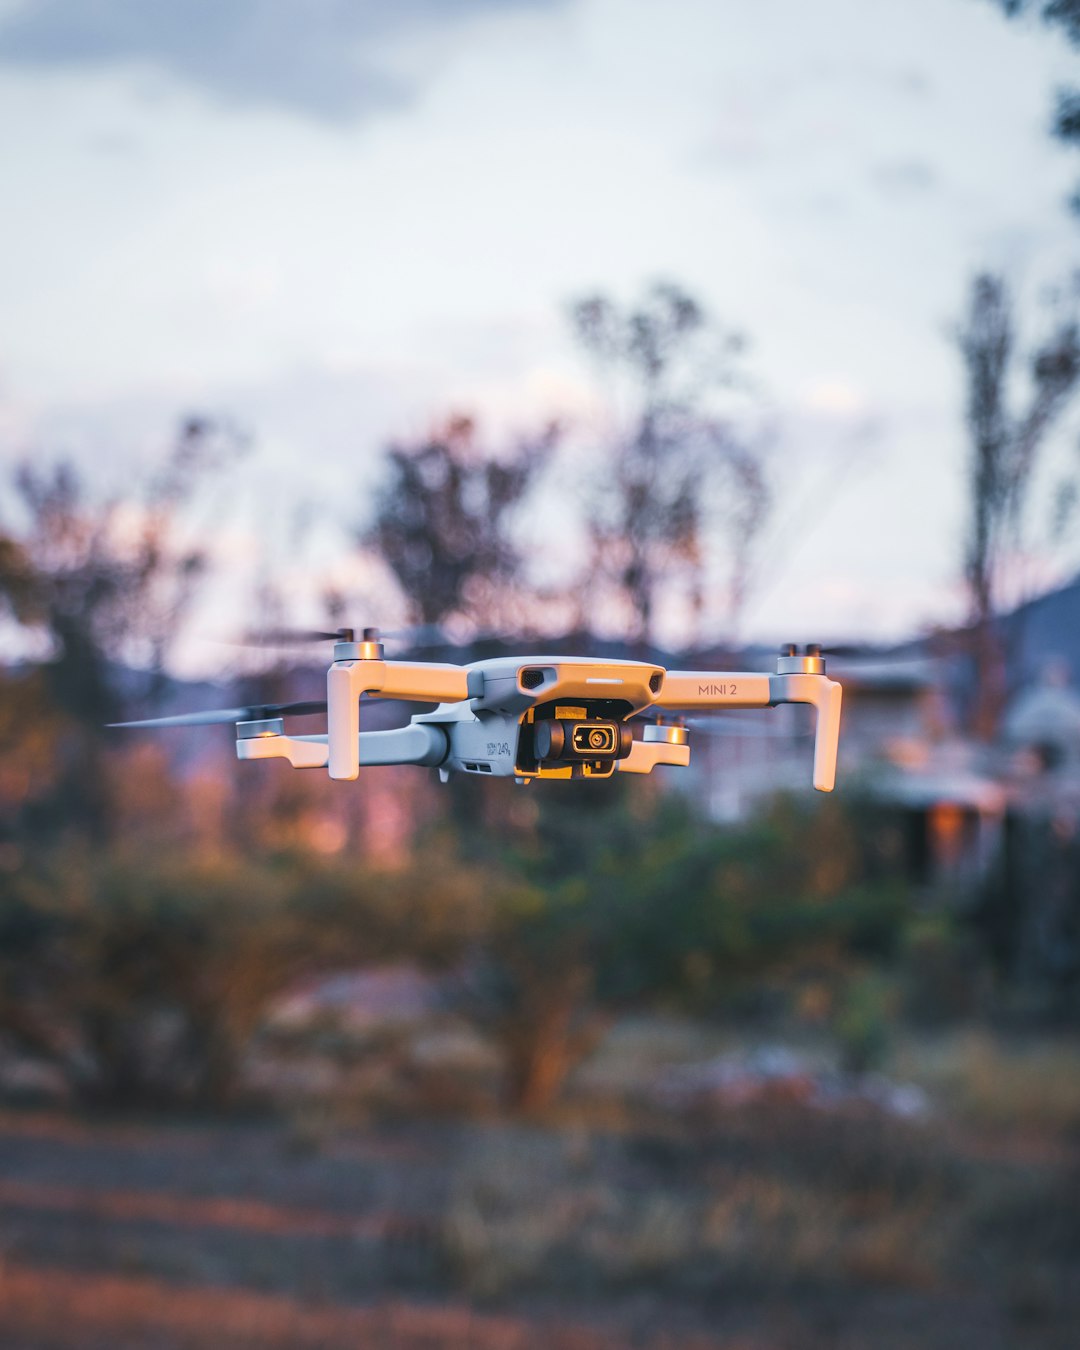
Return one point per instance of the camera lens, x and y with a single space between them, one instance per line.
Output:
594 738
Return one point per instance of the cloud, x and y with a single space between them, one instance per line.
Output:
318 58
903 177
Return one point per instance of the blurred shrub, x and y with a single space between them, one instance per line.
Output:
945 968
864 1020
141 977
724 904
138 977
143 973
613 893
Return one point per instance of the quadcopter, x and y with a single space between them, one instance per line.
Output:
523 717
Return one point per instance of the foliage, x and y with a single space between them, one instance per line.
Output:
1005 447
107 578
864 1021
672 454
141 976
136 977
1031 929
1065 15
610 894
444 519
945 968
104 582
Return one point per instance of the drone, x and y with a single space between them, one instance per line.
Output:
523 717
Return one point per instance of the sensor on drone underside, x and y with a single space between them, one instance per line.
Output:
573 740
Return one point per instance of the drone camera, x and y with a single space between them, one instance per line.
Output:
581 742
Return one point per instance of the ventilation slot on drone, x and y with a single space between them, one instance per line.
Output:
656 679
532 679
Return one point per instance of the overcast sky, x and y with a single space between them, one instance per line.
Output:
337 220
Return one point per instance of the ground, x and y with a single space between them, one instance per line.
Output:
772 1225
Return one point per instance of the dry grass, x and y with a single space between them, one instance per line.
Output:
1015 1084
768 1225
536 1210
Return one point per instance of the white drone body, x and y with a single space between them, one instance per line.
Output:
546 717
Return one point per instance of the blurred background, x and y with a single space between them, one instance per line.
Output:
540 326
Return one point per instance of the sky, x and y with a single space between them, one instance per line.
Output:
336 222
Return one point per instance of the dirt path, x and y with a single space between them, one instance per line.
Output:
152 1236
43 1309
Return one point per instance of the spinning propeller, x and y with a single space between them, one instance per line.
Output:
254 712
724 724
295 637
419 635
279 637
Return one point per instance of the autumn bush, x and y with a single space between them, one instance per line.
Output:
606 896
141 977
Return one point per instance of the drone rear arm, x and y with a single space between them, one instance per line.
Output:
359 669
418 743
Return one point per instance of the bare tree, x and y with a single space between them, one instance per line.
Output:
1064 15
677 474
445 520
1005 442
106 583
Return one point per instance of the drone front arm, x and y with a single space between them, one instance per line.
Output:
714 689
825 696
348 678
659 745
688 689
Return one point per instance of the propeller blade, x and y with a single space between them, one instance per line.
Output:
196 719
290 637
723 725
220 716
420 635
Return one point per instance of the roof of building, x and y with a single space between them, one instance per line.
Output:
1047 712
